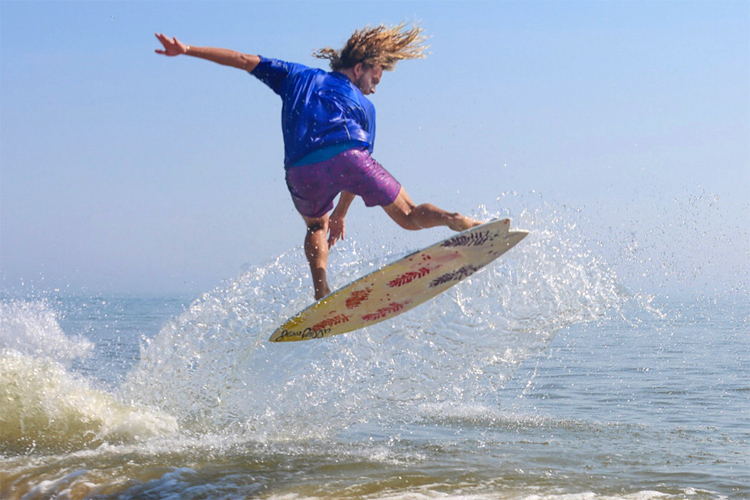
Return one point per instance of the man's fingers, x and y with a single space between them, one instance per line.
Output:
333 238
171 45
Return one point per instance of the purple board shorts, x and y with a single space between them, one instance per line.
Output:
315 186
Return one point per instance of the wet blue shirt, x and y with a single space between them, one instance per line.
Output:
320 112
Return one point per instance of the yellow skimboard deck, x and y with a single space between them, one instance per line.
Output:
402 285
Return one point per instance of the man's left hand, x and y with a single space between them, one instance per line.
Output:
336 229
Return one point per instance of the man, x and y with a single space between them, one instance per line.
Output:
329 133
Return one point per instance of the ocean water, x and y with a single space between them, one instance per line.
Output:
545 376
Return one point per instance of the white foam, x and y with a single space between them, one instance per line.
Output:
45 406
54 488
32 328
428 493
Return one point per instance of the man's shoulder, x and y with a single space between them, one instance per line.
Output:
274 72
270 64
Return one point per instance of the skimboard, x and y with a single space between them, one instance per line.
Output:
402 285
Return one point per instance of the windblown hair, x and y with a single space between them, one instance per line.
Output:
380 46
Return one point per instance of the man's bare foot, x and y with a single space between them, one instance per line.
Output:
461 223
322 292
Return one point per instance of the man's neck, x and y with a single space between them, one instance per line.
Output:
347 72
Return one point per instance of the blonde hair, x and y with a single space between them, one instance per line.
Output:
380 46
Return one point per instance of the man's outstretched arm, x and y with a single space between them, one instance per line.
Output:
225 57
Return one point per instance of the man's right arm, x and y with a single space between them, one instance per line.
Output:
336 227
225 57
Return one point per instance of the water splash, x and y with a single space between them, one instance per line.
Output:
32 328
213 368
45 405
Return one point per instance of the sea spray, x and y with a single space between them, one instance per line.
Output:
213 368
46 406
33 328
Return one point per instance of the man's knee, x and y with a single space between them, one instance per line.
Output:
402 210
405 219
314 227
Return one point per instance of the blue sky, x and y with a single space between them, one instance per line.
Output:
122 170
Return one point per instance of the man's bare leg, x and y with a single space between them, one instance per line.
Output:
316 251
413 217
403 210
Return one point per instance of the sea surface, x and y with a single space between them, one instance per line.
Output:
545 376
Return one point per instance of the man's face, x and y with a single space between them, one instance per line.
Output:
367 78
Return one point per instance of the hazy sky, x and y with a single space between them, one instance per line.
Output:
122 170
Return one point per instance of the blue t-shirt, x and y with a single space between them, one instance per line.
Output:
320 110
